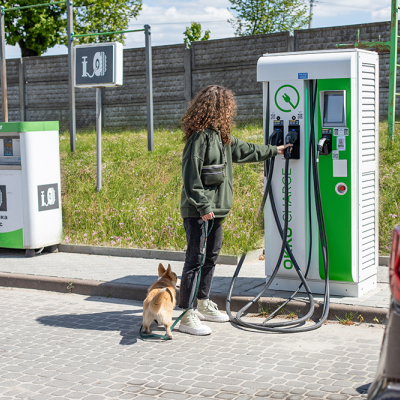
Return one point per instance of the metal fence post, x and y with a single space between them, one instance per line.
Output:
393 69
71 66
98 136
149 90
4 103
187 65
22 91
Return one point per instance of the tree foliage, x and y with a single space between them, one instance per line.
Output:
40 28
104 16
252 17
34 29
193 33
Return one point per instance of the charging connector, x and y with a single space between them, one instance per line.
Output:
276 138
293 137
324 146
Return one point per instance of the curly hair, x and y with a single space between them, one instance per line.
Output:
214 106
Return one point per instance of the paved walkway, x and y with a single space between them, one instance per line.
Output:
64 346
144 272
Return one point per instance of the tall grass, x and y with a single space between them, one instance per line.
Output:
389 187
138 205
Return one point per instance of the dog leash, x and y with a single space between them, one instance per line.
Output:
145 335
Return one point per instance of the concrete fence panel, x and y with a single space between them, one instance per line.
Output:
38 86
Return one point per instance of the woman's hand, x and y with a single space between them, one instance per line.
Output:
210 215
282 148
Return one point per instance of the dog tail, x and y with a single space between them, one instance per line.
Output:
157 301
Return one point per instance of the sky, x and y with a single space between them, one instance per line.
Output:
169 18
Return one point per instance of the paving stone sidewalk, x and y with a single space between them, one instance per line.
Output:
67 346
142 271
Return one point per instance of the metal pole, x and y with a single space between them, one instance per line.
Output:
98 137
149 90
393 69
22 89
107 33
71 67
34 5
4 102
311 14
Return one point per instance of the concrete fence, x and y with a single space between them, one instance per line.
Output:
38 86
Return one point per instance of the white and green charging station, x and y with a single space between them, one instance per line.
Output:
346 124
30 185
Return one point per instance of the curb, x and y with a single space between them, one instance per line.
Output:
148 253
168 255
384 260
138 292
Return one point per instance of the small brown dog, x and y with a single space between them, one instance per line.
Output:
161 300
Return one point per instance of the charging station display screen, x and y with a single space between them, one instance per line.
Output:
334 109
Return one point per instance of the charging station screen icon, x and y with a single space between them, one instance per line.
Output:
334 109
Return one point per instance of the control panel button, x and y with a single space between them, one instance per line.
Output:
341 188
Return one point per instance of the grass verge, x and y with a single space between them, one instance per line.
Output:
138 205
389 187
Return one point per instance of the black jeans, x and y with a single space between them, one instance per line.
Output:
195 237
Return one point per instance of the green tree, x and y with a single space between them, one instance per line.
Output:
40 28
104 16
193 33
253 17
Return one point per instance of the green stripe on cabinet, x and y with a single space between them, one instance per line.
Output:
30 126
12 240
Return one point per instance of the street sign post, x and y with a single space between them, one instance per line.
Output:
98 65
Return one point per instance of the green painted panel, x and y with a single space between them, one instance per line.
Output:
35 126
336 208
12 240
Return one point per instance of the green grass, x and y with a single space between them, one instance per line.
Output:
347 320
389 187
138 205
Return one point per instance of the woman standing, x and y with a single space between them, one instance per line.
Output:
207 194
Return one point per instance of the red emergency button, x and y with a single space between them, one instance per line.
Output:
341 188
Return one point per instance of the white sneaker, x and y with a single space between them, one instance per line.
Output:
207 310
191 324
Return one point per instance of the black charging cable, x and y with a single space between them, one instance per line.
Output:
298 324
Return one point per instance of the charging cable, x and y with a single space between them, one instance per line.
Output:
296 325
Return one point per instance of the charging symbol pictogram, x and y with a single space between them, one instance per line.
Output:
287 99
287 94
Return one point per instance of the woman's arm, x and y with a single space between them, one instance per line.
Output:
243 152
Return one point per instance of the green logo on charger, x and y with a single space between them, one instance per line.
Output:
285 96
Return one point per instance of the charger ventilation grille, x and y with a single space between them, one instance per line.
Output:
367 221
368 115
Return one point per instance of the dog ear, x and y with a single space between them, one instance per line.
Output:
161 269
169 269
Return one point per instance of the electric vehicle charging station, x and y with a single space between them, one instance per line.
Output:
345 86
30 185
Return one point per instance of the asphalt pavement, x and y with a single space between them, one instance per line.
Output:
68 346
129 278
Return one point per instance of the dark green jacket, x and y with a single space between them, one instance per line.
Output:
205 148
